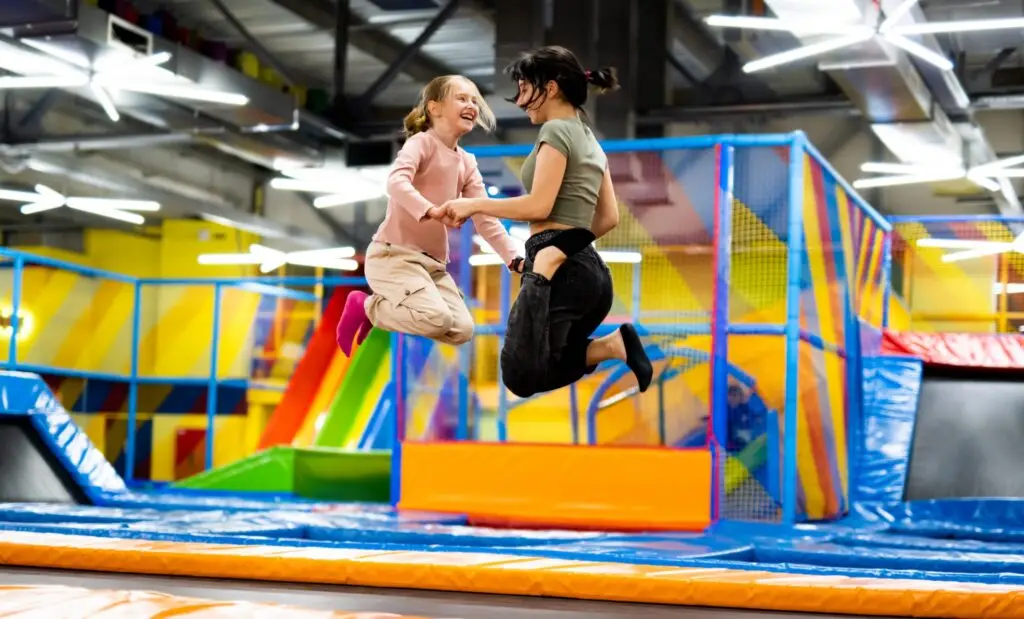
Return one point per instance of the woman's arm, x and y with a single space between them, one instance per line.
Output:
533 206
488 226
403 171
606 216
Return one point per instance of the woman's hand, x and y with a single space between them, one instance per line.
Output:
441 214
460 209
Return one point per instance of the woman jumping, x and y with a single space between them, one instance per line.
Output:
566 288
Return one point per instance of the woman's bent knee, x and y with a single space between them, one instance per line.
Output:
518 379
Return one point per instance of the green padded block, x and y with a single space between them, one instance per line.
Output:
328 474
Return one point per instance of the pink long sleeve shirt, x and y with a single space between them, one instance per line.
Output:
427 173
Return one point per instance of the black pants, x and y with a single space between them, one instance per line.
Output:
551 323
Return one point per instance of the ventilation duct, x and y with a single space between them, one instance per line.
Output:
908 113
252 126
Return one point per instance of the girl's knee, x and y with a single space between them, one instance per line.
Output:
461 332
435 322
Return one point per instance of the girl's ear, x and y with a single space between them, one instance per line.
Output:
431 107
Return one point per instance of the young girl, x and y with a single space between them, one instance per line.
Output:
566 289
405 265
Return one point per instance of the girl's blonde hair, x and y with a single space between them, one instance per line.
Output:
438 89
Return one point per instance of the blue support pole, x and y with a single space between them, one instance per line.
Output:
504 305
720 319
398 379
464 352
16 283
794 272
211 396
637 288
133 383
574 413
886 277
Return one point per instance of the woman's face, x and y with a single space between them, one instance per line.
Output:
536 111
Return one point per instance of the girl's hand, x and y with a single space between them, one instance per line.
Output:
440 213
460 209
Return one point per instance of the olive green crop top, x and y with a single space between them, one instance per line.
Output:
584 170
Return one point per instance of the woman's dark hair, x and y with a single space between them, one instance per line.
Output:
556 63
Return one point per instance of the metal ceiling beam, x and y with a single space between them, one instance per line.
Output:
342 31
411 50
264 55
383 46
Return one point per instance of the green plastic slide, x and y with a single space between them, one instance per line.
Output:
359 379
324 471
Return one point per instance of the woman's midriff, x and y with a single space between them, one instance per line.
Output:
540 226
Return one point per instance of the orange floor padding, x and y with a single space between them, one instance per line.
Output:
58 602
492 573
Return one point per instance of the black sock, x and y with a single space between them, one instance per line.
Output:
636 357
569 242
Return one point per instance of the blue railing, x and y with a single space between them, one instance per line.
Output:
269 286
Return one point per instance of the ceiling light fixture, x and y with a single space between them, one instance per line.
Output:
990 176
269 259
136 74
850 34
339 185
47 199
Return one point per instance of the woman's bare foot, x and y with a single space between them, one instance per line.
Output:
547 261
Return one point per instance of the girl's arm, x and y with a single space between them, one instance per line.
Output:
403 171
489 227
606 216
549 170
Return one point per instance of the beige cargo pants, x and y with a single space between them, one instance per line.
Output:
413 293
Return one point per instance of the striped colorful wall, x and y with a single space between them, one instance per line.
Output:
956 296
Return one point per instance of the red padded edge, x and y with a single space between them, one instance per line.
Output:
979 350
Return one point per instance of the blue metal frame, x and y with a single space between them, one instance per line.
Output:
720 320
271 286
720 328
794 287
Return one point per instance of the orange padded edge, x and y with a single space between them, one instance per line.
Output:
560 486
47 602
493 573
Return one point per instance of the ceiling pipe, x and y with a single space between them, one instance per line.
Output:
904 110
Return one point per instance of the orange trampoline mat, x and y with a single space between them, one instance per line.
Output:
501 574
49 602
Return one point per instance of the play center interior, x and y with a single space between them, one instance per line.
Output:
835 424
815 438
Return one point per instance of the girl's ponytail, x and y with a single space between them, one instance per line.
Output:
417 120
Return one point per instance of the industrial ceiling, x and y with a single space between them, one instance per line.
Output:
212 156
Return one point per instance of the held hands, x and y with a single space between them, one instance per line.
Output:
452 213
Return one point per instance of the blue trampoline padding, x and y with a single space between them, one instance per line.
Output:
837 555
341 531
1004 512
911 542
51 512
651 552
892 387
961 531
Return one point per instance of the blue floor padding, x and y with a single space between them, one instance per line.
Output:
876 540
969 540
